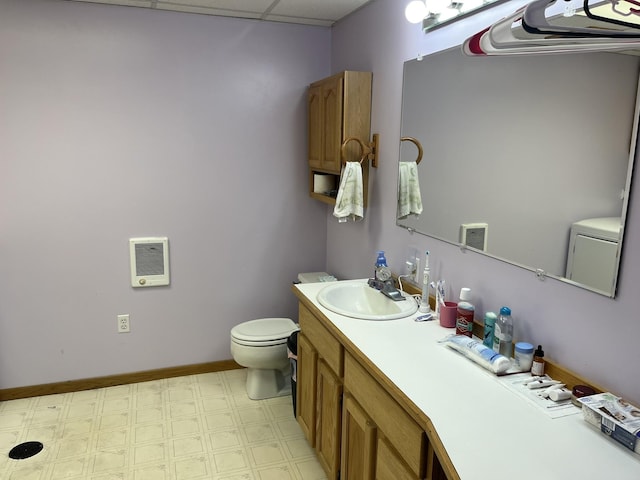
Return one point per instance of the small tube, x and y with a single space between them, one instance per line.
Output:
541 384
560 394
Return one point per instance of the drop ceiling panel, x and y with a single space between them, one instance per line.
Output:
126 3
207 10
299 20
253 6
308 12
325 9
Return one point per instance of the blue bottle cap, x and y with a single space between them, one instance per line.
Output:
381 261
505 311
524 347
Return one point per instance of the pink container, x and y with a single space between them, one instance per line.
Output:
448 314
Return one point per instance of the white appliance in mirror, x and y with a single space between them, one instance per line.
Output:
528 145
593 253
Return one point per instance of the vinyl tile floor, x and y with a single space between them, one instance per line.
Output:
192 427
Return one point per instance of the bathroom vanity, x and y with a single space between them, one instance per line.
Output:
385 400
359 424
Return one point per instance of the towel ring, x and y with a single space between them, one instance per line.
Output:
417 144
369 151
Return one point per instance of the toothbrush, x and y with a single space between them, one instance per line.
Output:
435 286
438 287
424 301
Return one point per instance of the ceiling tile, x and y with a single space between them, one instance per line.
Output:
208 11
255 6
307 12
302 21
325 9
126 3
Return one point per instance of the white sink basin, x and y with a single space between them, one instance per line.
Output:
359 300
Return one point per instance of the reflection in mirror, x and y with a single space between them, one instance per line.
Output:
520 149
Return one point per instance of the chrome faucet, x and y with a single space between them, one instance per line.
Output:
375 283
385 284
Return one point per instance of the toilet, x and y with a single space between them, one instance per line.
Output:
261 346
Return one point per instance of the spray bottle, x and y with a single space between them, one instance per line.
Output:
424 301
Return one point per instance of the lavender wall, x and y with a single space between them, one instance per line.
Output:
593 335
119 122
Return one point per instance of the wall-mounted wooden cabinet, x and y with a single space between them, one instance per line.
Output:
339 107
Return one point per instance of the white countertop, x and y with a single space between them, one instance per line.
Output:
489 431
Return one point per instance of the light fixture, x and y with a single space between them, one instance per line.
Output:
436 13
416 11
431 20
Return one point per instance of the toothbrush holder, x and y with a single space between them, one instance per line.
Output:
448 314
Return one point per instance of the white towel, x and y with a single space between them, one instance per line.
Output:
409 199
349 202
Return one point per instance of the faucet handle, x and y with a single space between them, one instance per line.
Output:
383 273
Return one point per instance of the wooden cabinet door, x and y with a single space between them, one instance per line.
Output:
399 429
358 442
306 388
332 109
389 465
434 467
315 135
328 420
324 103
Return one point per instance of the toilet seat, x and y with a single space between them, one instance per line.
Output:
263 332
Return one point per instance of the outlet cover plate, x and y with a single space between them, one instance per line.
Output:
123 323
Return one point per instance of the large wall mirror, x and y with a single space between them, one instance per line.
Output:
527 158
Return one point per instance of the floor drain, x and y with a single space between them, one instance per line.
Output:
25 450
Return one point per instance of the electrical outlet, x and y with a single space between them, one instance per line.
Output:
123 323
412 262
410 269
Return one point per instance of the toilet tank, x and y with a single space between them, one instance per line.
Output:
593 252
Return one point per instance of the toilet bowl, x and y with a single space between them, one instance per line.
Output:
261 346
